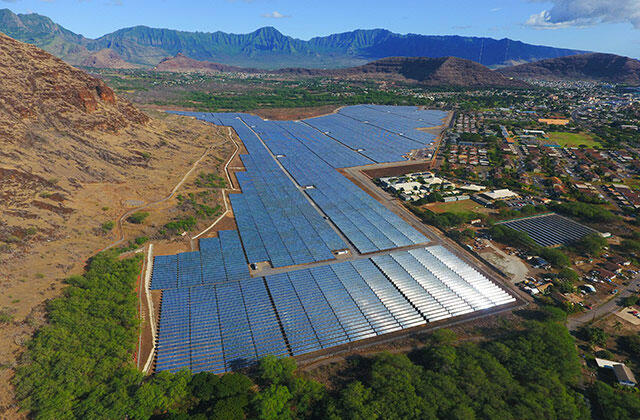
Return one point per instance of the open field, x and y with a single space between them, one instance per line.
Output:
456 207
573 139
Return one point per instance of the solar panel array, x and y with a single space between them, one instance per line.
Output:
403 120
276 222
551 229
367 224
229 325
215 317
373 142
219 260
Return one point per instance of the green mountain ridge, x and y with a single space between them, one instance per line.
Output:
267 47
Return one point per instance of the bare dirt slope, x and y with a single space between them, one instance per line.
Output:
74 156
106 59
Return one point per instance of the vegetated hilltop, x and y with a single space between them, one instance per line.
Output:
443 71
599 67
266 47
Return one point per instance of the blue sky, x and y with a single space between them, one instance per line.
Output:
598 25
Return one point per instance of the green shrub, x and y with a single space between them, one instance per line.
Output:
107 226
138 217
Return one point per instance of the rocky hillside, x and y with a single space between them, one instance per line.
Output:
444 71
266 47
40 89
182 64
106 59
59 127
592 67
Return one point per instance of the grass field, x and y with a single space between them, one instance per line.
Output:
456 207
573 139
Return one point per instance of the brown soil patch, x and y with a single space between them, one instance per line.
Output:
397 170
288 114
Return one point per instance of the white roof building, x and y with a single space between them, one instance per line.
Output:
500 194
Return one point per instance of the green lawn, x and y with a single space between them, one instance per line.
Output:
573 139
455 207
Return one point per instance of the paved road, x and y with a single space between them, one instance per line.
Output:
606 309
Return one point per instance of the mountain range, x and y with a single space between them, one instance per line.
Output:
266 47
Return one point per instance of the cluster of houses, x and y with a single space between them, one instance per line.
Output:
468 155
623 195
609 270
469 123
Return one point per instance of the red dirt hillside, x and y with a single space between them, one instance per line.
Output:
106 59
37 87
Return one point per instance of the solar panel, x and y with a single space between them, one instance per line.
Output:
165 272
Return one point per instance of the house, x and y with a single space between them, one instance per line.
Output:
614 268
624 375
602 274
538 262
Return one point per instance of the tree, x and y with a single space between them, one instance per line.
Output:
591 245
631 343
434 197
356 402
512 237
555 257
594 335
274 370
615 404
630 301
568 274
272 403
138 217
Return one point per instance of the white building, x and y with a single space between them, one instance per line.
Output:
504 194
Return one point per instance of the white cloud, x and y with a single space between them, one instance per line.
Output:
582 13
275 15
495 9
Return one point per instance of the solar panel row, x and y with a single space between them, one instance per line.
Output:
439 284
219 260
276 222
373 142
